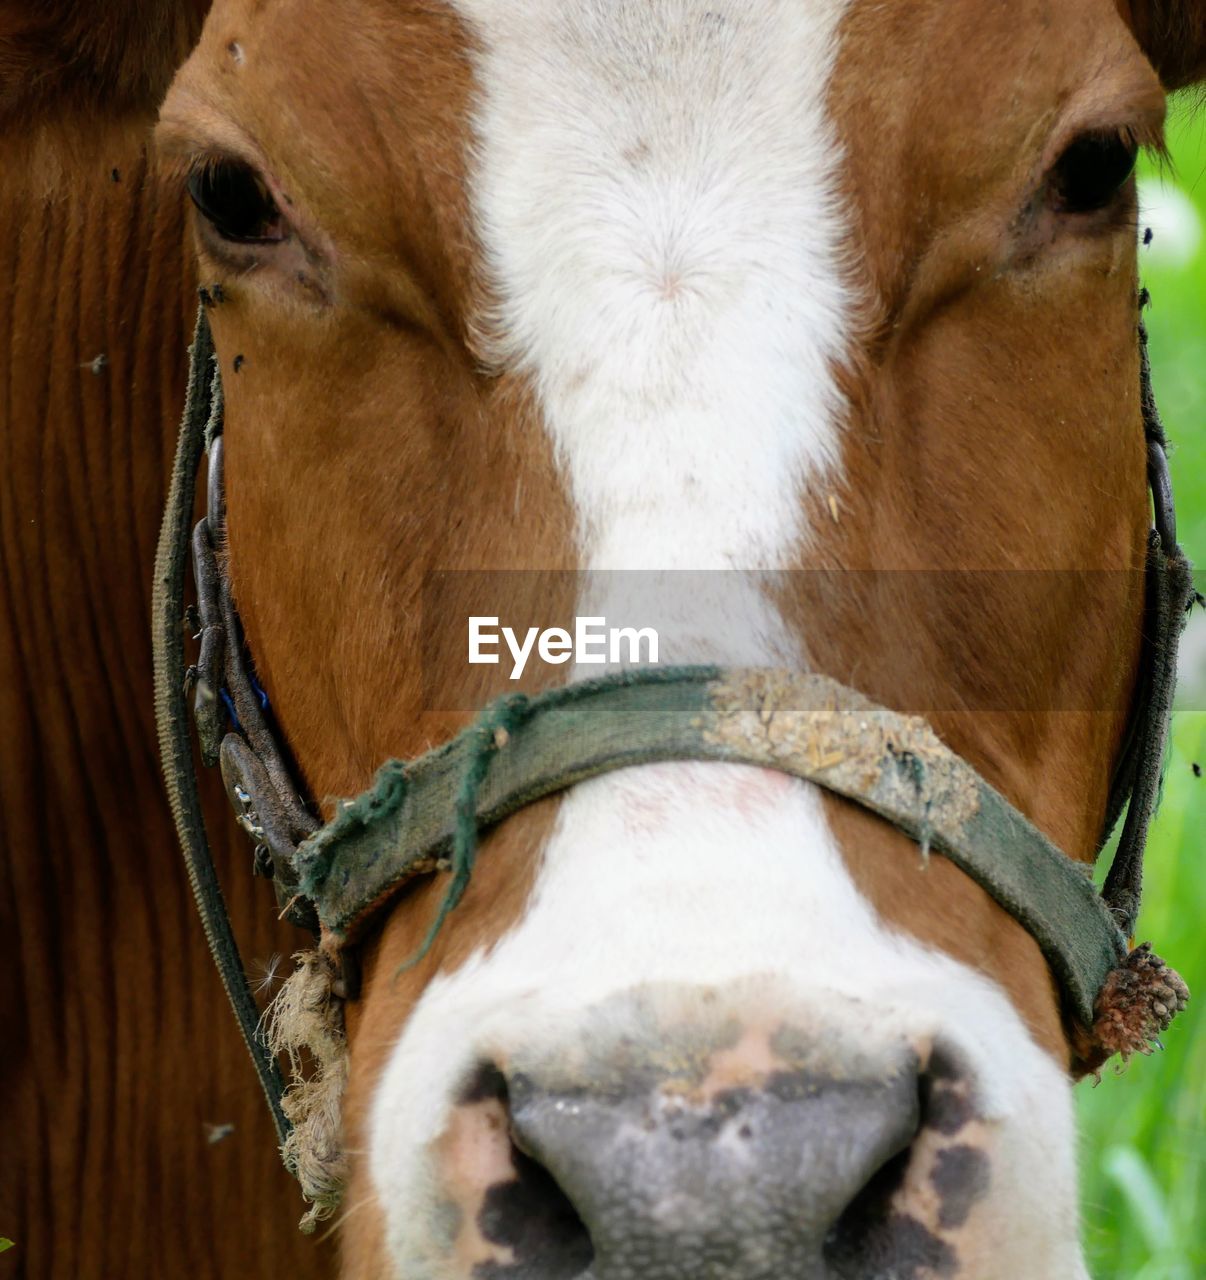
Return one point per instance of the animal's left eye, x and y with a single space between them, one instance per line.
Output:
1091 172
236 202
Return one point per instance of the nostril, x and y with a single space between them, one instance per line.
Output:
533 1218
926 1187
862 1240
858 1238
525 1223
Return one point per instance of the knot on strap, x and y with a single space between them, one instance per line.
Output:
1138 1001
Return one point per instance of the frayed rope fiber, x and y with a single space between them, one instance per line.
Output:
491 734
305 1022
1138 1001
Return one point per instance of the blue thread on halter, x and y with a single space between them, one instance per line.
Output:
255 684
228 703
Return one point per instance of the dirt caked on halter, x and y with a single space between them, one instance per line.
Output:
424 815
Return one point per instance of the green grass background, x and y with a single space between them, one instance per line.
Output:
1143 1132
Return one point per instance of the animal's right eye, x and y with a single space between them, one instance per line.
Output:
236 202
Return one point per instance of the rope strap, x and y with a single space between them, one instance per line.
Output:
202 410
1170 595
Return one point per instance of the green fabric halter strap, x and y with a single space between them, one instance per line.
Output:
424 815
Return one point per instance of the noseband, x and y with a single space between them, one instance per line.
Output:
424 815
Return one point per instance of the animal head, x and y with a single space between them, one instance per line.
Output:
831 306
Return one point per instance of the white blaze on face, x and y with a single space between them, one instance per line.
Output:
655 193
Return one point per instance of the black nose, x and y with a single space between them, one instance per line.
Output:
745 1184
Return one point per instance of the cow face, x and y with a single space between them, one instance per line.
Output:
750 290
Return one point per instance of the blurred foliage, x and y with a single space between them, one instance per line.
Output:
1143 1147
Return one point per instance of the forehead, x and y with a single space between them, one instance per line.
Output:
372 111
380 58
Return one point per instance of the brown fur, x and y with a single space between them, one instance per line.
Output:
975 439
117 56
416 440
494 901
1173 34
119 1045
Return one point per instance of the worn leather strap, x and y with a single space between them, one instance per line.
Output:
805 725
